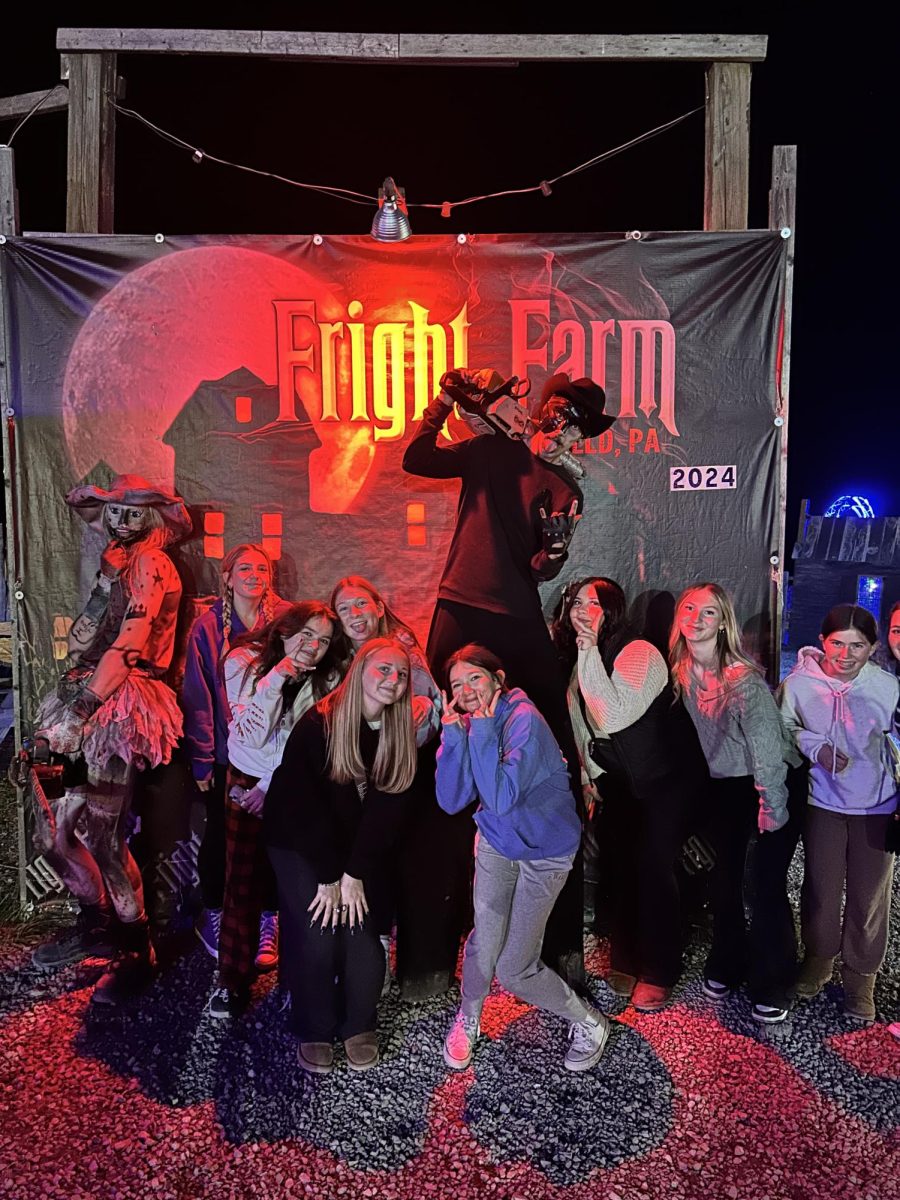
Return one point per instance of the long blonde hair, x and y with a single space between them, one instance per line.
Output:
395 760
729 642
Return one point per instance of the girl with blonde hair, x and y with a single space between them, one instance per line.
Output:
364 613
748 754
418 885
335 809
247 603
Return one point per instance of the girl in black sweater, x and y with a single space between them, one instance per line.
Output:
334 810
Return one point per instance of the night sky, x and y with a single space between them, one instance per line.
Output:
449 132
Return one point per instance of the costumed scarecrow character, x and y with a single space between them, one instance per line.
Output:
111 715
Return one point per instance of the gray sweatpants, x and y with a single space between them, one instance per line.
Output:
513 899
847 850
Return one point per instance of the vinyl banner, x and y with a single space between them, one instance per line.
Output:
275 382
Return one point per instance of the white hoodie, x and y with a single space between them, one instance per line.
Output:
820 710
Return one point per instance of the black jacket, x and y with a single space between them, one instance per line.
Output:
496 557
326 822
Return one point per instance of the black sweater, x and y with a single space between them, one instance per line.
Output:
324 821
496 559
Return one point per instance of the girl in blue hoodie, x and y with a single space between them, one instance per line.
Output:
839 706
497 749
248 603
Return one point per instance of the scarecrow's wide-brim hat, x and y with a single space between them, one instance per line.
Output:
586 396
89 500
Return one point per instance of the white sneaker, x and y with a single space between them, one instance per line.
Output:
714 989
460 1041
587 1041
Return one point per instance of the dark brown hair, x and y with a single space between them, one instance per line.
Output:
614 633
267 647
478 656
850 616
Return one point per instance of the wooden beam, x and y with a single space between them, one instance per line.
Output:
782 214
421 47
257 43
92 138
727 181
9 196
15 107
573 47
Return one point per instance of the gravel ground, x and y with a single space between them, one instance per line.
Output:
164 1101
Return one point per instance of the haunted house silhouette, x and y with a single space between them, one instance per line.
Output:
245 475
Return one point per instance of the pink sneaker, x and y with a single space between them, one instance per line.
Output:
460 1041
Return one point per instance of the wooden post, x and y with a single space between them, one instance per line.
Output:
782 211
9 196
92 137
727 180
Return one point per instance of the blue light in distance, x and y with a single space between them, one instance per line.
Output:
868 593
850 506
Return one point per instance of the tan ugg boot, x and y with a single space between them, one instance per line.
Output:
859 995
815 972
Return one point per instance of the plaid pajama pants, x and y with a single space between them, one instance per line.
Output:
248 883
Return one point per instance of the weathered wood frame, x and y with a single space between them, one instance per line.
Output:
89 63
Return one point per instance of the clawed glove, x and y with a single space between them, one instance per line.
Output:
557 530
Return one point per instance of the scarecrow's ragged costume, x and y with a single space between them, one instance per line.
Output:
111 715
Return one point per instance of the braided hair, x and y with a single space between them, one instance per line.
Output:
267 602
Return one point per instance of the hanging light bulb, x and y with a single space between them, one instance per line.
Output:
391 222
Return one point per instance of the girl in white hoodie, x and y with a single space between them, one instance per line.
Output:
838 706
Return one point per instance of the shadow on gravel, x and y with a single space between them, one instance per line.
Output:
182 1056
802 1042
524 1105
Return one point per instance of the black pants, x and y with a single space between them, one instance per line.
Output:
646 836
211 855
439 849
766 954
334 977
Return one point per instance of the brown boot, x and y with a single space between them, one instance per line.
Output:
620 983
815 972
361 1051
859 998
316 1057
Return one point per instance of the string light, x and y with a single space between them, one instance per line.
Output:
445 207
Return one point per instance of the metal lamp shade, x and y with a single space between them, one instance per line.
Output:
391 222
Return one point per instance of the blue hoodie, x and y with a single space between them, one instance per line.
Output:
512 764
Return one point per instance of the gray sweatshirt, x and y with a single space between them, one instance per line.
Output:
741 733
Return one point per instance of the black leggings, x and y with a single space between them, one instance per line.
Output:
211 855
766 955
646 836
334 978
